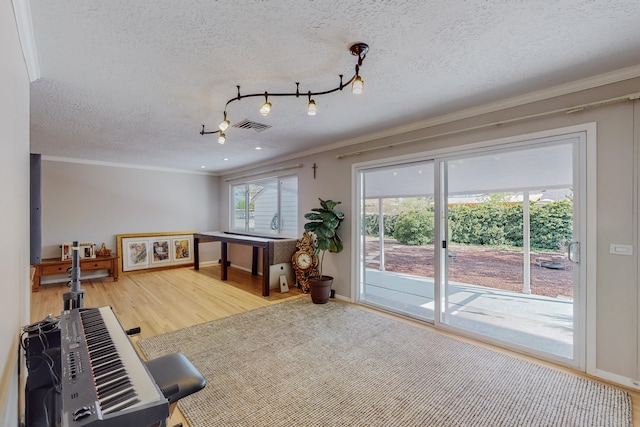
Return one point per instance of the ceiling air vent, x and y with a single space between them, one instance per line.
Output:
248 124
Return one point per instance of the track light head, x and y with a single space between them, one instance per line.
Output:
224 124
311 108
357 87
266 108
222 138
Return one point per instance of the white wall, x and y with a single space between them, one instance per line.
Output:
616 312
93 203
14 215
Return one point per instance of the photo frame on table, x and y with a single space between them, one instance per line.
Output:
85 250
66 252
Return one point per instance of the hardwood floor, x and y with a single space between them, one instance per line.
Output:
164 301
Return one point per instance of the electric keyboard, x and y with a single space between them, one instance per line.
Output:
104 381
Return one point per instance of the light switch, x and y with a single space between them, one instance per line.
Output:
617 249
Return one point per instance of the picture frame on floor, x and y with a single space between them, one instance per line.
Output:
142 251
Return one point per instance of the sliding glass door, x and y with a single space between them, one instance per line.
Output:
511 245
397 238
486 242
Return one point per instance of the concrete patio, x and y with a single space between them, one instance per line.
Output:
538 322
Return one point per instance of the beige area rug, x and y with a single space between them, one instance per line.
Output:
300 364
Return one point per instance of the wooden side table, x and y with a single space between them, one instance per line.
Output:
54 266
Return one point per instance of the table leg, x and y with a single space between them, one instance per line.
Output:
265 271
114 269
36 281
223 271
254 261
196 253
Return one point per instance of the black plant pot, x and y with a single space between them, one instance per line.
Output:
320 289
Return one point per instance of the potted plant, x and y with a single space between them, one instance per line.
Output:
324 223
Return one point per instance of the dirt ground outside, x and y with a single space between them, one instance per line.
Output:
477 265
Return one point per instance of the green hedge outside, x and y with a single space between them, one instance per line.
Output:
491 223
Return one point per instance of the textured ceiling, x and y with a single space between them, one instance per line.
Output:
133 81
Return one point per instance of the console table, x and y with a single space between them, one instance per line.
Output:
54 266
268 245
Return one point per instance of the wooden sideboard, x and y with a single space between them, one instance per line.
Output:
54 266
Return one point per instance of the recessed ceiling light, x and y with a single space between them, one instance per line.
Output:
225 159
202 167
258 148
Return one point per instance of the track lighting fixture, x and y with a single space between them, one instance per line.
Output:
357 87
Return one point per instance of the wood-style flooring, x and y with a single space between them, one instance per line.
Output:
168 300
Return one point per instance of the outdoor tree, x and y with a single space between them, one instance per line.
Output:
415 223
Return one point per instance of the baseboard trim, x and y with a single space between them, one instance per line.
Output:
615 378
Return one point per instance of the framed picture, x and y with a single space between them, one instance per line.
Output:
87 250
66 251
136 254
160 251
182 248
140 251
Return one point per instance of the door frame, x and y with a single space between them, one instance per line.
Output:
585 343
579 287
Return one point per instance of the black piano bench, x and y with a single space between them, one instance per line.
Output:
176 377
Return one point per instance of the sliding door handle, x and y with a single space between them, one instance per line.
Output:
573 252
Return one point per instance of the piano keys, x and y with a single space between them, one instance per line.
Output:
104 381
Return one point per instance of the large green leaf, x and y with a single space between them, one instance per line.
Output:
324 222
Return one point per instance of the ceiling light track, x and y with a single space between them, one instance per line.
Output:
359 49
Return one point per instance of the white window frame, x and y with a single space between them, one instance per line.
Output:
278 201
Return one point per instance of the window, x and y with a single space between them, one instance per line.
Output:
267 206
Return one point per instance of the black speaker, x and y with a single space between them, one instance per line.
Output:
35 211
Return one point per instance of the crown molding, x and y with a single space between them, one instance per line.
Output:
540 95
22 11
